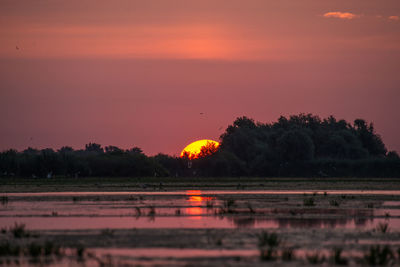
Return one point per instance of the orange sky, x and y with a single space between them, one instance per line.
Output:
139 73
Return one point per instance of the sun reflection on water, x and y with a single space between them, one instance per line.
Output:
198 202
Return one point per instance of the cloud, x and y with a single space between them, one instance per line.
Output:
394 18
341 15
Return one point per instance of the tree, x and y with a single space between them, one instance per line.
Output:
295 145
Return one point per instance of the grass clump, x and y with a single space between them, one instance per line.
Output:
152 211
19 231
309 202
288 254
334 203
138 211
267 239
80 252
315 258
4 200
382 227
34 250
377 255
6 249
268 243
209 204
337 257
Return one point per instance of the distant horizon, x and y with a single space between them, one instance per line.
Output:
176 154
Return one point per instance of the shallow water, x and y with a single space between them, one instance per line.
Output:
214 192
196 209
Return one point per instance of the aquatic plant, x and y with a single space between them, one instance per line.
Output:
80 252
34 250
377 255
337 257
152 211
209 204
268 243
333 202
4 200
228 206
251 210
315 258
138 211
268 239
288 254
309 201
19 231
382 227
50 248
7 249
268 254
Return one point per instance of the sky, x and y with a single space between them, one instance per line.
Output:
159 74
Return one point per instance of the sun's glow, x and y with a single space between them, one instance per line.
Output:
197 202
192 151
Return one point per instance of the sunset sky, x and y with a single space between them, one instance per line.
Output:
160 74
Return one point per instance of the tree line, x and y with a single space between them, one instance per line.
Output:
300 145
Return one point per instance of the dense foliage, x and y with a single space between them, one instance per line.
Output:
301 145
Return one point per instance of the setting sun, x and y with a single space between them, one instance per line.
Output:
195 149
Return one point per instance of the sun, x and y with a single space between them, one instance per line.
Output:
200 148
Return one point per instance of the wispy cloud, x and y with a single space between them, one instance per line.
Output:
394 18
341 15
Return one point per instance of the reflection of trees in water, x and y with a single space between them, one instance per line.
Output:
358 217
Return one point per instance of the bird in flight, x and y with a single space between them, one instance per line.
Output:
16 47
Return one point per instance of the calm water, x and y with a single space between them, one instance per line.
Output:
189 209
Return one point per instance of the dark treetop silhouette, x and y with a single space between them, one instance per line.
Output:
301 145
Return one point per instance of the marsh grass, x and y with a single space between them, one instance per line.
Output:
138 211
251 210
337 257
80 252
7 249
19 231
34 250
209 204
288 254
152 211
315 258
268 254
377 255
4 200
382 228
309 202
228 206
268 239
268 244
334 203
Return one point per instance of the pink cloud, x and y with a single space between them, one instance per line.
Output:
341 15
394 18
